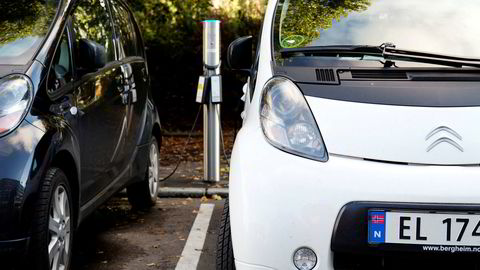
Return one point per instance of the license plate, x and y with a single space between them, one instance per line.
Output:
392 227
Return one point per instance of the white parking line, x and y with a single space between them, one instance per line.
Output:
194 245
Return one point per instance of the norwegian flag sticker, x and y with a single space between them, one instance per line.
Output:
376 227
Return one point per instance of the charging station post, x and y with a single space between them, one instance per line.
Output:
210 94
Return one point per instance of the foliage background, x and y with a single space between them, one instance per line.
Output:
172 31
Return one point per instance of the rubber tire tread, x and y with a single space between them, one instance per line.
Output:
225 259
39 240
139 193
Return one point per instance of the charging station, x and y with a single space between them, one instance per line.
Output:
209 93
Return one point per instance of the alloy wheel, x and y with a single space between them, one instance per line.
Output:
59 227
153 170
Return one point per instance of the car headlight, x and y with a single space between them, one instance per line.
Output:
15 99
287 121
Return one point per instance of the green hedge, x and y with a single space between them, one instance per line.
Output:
172 31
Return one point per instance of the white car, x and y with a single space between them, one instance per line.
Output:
360 146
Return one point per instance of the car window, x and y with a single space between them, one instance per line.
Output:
61 71
447 27
92 22
125 30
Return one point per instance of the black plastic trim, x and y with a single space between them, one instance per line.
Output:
351 227
421 88
400 93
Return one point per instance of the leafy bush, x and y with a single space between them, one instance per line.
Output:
172 31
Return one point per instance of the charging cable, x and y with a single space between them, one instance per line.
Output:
185 146
184 150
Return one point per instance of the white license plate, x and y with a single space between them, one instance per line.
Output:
423 228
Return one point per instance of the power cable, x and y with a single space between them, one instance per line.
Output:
185 146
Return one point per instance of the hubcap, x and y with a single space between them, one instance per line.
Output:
153 171
59 227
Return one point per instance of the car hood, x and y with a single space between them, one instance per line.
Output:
10 69
405 134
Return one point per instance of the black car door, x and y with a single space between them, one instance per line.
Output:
101 100
131 53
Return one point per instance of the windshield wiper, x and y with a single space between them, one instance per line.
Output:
388 51
333 49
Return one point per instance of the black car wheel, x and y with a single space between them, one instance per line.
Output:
52 236
144 194
225 258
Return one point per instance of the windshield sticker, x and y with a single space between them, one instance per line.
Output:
293 41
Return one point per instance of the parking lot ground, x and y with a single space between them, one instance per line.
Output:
116 237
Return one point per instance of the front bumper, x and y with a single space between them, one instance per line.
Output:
21 167
280 202
13 249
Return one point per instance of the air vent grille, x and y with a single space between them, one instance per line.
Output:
326 75
383 75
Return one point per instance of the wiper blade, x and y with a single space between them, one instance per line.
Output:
288 52
390 52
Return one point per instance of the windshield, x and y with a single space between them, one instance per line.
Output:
23 24
447 27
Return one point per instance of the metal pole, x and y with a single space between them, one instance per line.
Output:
211 111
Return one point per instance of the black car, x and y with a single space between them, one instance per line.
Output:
77 122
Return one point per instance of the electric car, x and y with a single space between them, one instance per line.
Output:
77 123
360 146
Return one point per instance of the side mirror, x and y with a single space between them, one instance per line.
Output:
239 54
92 55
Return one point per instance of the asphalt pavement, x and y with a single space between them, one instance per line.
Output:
117 238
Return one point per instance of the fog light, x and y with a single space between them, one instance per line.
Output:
304 259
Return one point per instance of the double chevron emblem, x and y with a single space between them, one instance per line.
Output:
449 136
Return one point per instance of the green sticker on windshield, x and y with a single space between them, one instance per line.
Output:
293 41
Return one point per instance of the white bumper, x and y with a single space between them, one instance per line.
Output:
280 202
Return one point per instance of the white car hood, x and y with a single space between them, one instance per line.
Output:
407 134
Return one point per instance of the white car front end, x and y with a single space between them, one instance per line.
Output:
379 158
280 202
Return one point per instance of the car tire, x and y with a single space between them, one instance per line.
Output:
225 258
53 224
143 195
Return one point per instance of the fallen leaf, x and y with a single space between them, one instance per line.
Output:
216 197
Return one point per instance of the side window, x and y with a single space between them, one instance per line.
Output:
92 22
125 30
61 71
